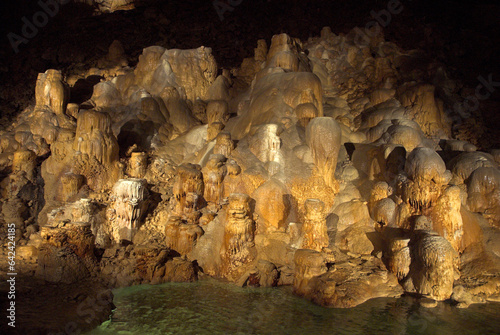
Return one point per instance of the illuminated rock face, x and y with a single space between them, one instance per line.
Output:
70 185
382 208
180 236
213 176
223 144
427 174
66 254
239 233
94 137
138 164
129 202
484 193
446 217
195 70
51 92
272 206
308 264
109 6
217 111
340 286
399 258
266 143
299 167
314 228
323 137
189 179
434 264
424 109
96 150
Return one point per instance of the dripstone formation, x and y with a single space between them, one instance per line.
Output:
327 164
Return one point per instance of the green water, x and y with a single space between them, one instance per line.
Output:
211 307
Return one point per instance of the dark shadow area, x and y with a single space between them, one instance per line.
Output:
349 147
83 89
136 132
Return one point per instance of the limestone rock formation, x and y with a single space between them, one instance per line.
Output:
314 227
272 205
213 175
128 204
109 6
275 95
189 179
338 285
51 92
323 137
24 161
180 236
434 263
447 219
484 192
67 253
266 143
145 264
398 257
426 174
138 164
223 144
308 265
328 164
238 247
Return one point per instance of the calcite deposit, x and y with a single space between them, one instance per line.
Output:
127 208
320 164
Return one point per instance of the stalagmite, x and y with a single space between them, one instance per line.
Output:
323 137
96 149
398 257
50 91
70 185
217 111
24 161
484 193
266 143
138 164
446 217
239 233
95 138
129 202
213 176
272 205
188 179
305 113
433 267
314 228
426 173
308 265
213 130
329 164
223 144
180 236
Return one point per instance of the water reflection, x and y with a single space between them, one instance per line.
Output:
210 307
